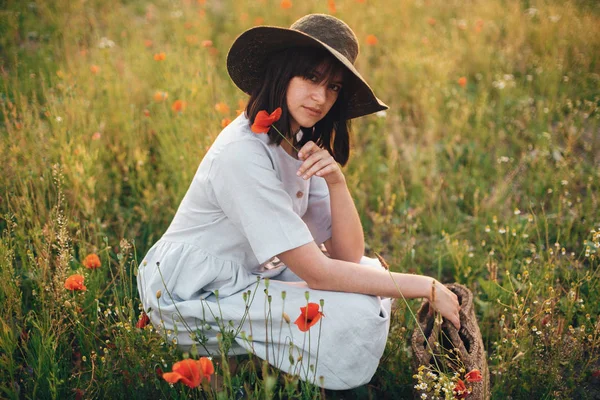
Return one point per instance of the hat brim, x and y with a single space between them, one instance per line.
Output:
248 54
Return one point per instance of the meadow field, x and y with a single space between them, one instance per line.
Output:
484 171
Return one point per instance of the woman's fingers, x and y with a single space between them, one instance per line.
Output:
446 302
315 159
317 163
306 150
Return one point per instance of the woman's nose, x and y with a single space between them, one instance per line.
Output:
319 93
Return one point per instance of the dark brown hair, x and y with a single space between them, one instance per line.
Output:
332 131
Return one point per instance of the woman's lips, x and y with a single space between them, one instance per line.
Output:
313 111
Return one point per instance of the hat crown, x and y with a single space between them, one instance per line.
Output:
331 31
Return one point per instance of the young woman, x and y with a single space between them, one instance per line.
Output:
260 205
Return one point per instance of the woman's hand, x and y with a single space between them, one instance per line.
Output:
319 162
446 302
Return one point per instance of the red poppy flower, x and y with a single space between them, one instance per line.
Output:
222 108
263 121
178 106
331 6
372 40
143 321
462 81
75 282
190 372
309 316
460 390
92 261
473 376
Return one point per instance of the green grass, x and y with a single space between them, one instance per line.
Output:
494 185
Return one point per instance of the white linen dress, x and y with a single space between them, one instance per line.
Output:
244 206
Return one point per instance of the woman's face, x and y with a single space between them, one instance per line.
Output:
310 98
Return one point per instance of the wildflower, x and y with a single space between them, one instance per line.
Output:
207 43
106 43
384 264
241 107
263 121
331 6
75 282
225 122
160 96
146 112
191 39
372 40
222 108
160 56
478 25
431 21
286 4
94 69
259 21
190 372
148 43
96 136
143 321
92 261
473 376
460 391
309 316
178 106
462 81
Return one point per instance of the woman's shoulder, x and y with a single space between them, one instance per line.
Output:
239 134
237 144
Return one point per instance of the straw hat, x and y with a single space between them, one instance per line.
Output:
249 53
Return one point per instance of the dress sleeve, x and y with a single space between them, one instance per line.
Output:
252 196
318 212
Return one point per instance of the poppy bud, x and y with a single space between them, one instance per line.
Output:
158 294
286 317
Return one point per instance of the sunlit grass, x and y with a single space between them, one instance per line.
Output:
485 171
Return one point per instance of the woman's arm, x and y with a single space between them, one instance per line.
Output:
323 273
347 239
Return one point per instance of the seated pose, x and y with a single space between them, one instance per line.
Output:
265 198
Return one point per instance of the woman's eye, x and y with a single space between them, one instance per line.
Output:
335 88
312 77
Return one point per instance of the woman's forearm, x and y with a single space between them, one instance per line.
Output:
347 238
346 276
323 273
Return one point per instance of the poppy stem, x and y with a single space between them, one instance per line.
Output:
285 138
